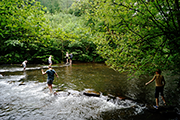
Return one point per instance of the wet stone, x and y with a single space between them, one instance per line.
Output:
92 93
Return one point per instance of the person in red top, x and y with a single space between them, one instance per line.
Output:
160 83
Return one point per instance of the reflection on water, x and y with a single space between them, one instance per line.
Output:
32 100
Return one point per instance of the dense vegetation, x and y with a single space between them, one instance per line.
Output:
137 36
29 31
131 35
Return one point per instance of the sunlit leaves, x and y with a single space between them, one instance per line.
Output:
135 35
21 26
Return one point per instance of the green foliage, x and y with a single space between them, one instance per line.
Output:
78 8
56 6
23 28
27 33
137 36
73 36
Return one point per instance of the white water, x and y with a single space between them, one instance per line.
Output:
15 69
32 101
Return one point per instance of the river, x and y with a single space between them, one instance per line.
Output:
25 95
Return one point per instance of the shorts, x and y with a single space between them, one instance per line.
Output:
50 62
49 82
24 65
159 90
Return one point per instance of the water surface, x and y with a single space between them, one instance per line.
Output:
25 96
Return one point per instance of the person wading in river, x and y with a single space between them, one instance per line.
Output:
71 56
49 60
160 83
50 79
67 57
24 64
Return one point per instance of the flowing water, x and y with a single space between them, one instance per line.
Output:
25 95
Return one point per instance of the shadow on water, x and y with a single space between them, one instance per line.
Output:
84 92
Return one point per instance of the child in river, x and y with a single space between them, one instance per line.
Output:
24 64
160 83
67 57
50 79
49 60
71 56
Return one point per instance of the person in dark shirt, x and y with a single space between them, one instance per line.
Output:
50 79
71 56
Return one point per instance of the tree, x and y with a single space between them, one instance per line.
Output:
56 6
137 36
22 29
78 7
73 35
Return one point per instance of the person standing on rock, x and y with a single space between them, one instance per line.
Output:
49 60
71 56
67 57
50 79
24 64
160 83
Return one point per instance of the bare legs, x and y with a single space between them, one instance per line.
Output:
157 101
70 61
50 88
66 61
163 100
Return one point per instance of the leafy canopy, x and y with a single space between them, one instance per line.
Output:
137 36
27 32
23 28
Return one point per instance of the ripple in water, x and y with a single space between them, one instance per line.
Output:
33 101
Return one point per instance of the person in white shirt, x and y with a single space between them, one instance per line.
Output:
49 60
24 64
67 57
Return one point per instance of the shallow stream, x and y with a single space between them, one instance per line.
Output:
25 96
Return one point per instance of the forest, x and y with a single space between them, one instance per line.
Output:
135 36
